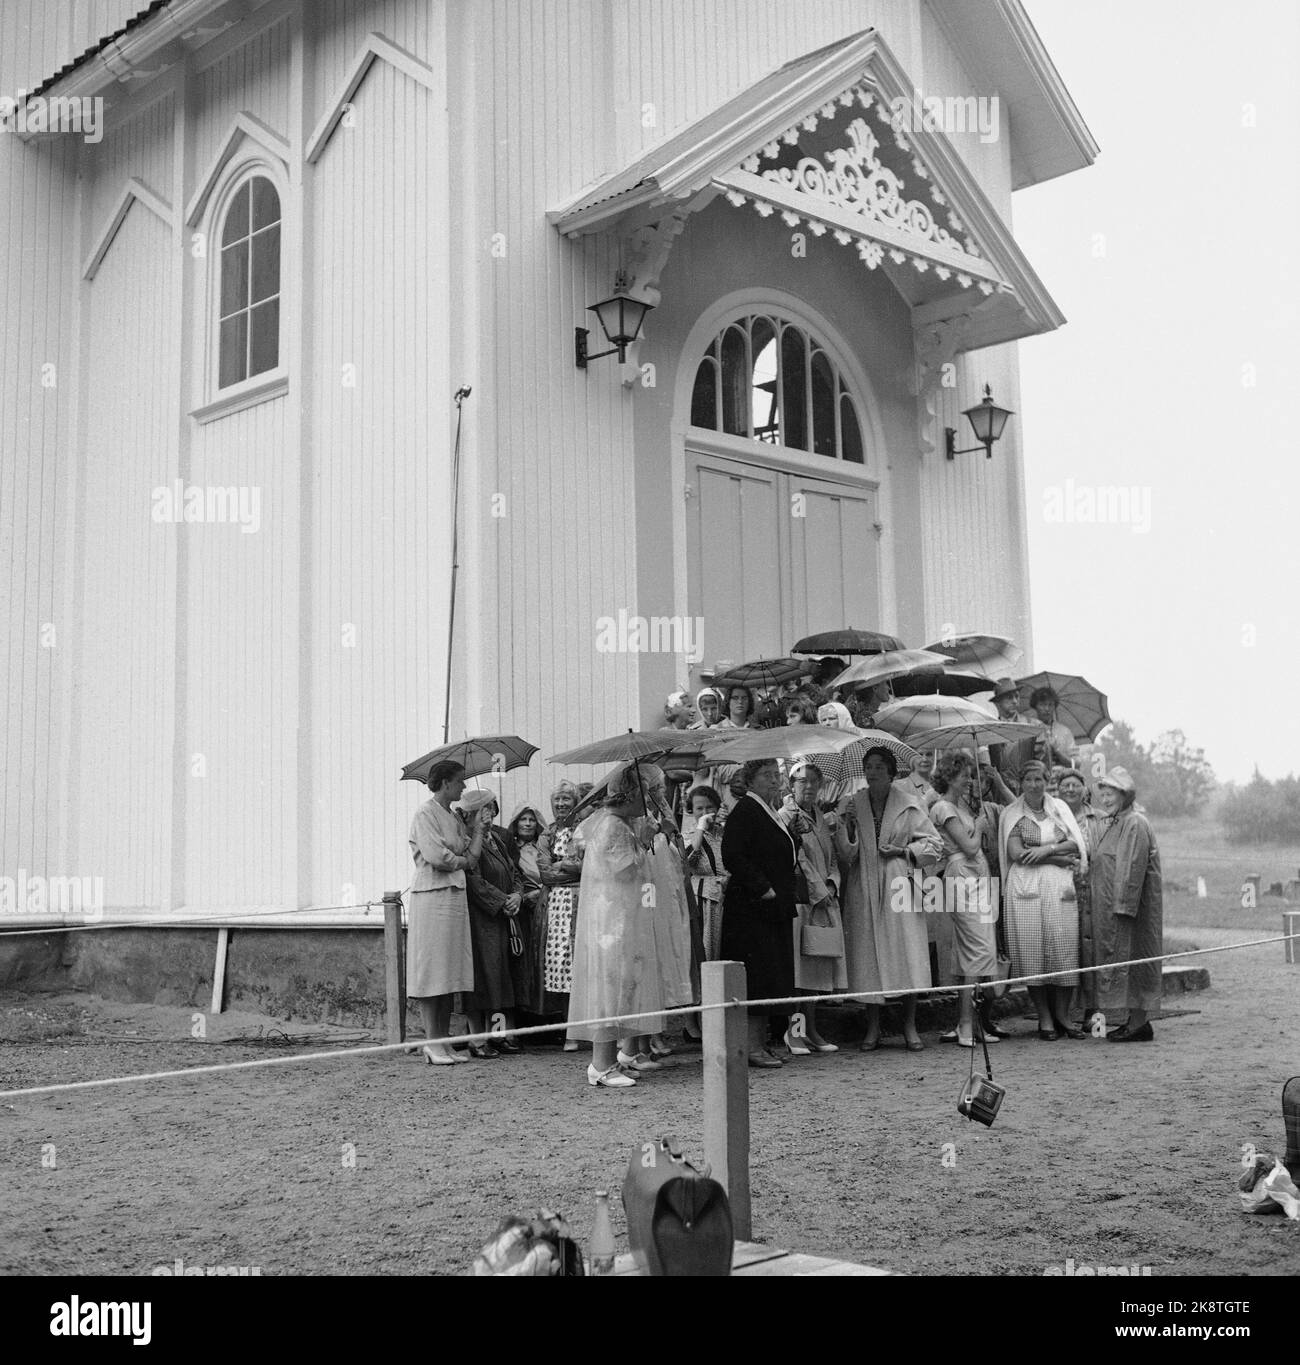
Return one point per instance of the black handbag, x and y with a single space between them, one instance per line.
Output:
678 1217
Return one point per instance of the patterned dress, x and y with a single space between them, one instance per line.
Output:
561 921
1042 909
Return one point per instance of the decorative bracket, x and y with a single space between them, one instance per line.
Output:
936 344
647 250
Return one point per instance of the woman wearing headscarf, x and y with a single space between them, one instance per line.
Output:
615 956
1039 844
835 716
522 836
891 839
559 868
708 703
1127 908
493 887
439 951
741 706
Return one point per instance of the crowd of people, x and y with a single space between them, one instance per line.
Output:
968 867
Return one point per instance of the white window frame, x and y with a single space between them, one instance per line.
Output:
211 401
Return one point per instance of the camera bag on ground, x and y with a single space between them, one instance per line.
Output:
678 1218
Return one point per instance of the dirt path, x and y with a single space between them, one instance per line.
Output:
1102 1154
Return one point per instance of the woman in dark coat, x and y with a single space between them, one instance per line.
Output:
759 903
493 888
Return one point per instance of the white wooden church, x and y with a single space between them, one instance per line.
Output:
254 248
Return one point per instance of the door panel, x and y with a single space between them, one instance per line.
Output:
737 584
834 566
774 556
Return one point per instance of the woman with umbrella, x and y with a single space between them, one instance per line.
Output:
439 954
886 946
1039 844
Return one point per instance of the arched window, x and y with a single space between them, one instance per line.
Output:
248 324
771 381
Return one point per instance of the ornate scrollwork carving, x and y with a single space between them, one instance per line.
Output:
855 179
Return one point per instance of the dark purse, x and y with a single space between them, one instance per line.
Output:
678 1217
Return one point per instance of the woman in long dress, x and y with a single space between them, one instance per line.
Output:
822 844
1127 909
1040 843
439 952
559 866
966 928
493 889
522 836
1073 790
615 958
885 943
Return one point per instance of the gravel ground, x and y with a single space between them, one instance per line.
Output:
1105 1155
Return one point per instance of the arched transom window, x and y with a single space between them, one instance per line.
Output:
772 381
249 322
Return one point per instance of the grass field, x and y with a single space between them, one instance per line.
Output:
1196 846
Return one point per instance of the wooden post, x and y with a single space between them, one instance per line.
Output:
394 976
219 971
1291 925
726 1088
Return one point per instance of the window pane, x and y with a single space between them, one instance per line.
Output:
266 203
704 398
264 352
794 390
735 383
234 349
234 278
236 225
266 264
762 401
823 405
850 433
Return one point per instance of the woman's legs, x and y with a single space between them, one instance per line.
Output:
965 1011
1042 1000
758 1026
873 1027
909 1019
435 1014
1064 1003
604 1055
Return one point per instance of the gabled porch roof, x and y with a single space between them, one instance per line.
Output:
898 194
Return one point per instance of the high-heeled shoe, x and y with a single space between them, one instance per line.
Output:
658 1049
822 1047
641 1062
432 1058
869 1044
1067 1030
796 1045
915 1044
613 1079
570 1045
485 1052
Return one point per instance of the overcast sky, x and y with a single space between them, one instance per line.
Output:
1194 622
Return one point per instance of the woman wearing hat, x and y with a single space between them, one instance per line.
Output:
1127 908
495 892
1039 843
439 952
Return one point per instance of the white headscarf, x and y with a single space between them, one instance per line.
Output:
1053 808
835 715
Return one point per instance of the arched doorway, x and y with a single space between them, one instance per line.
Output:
783 472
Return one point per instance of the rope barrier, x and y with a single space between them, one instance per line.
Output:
196 922
797 1000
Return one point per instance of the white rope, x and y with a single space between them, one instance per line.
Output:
798 1000
197 922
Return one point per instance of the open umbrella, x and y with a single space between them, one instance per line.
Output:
783 742
847 641
951 682
483 754
893 663
911 717
846 766
1080 707
763 674
631 745
994 656
976 734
